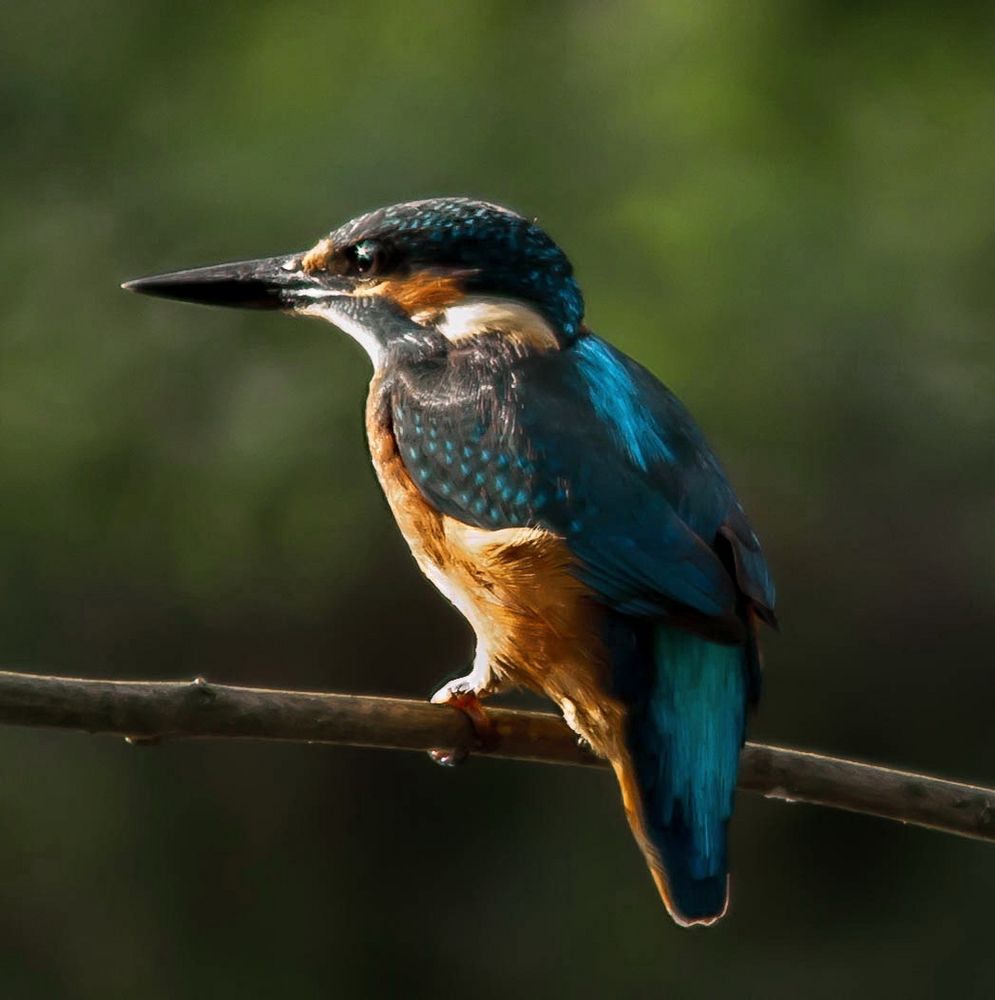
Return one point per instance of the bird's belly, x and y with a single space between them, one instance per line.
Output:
535 622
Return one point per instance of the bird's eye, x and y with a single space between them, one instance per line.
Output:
366 257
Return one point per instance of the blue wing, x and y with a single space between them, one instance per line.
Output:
587 444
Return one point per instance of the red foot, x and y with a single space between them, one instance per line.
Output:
484 731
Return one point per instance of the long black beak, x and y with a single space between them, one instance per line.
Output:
269 283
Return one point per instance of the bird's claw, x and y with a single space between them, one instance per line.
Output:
485 736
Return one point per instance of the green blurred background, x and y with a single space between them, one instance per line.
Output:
785 209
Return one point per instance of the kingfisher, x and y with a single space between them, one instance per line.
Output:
557 493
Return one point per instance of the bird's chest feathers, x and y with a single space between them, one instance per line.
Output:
462 561
514 585
421 525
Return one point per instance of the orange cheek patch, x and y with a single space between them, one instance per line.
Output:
424 292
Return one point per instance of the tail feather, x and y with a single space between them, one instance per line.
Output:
685 730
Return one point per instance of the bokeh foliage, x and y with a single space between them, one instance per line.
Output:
787 210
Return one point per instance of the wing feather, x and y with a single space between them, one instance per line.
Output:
588 445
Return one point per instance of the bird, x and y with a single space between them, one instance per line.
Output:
558 494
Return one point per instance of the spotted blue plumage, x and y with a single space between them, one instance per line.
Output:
641 526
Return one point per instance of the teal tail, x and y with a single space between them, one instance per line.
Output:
686 725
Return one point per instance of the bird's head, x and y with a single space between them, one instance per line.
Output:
420 275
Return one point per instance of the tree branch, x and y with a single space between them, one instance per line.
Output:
150 711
